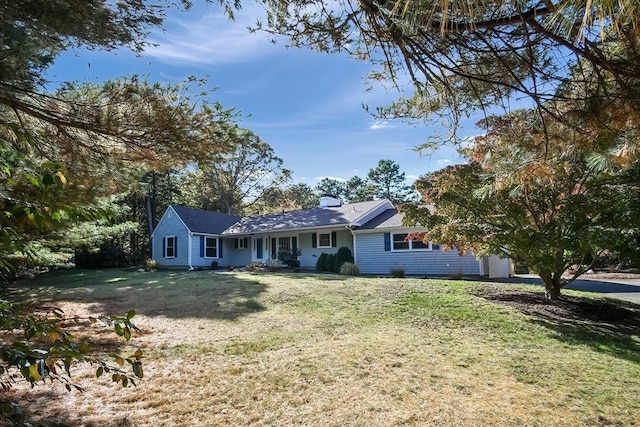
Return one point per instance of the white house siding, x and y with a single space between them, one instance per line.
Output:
171 227
371 258
309 255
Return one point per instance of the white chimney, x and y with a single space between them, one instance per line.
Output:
329 201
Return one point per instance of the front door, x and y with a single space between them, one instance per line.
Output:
259 249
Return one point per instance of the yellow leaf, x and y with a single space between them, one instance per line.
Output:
63 180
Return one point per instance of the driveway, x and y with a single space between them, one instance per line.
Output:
610 286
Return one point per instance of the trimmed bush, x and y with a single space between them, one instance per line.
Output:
349 269
331 262
343 255
321 265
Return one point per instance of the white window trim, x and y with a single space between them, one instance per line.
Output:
166 246
410 249
330 242
217 248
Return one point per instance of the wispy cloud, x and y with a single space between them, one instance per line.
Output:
208 37
381 124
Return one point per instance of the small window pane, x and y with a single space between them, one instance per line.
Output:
324 240
419 244
398 242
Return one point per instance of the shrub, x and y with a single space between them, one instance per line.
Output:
321 265
214 265
151 264
331 262
397 272
343 255
349 269
273 263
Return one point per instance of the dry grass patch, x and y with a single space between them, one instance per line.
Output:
317 350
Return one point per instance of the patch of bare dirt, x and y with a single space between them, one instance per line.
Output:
568 308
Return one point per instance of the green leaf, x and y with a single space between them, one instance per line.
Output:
137 369
99 372
47 179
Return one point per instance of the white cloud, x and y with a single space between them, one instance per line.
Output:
206 37
381 124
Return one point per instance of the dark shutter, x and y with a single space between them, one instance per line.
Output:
274 248
314 240
236 243
294 246
246 242
164 247
175 247
334 239
202 241
435 247
220 245
387 242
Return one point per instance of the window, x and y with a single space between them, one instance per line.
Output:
324 240
284 244
399 243
170 247
211 247
283 247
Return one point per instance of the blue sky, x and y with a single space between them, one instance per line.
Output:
306 105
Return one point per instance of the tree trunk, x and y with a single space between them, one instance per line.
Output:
552 284
149 205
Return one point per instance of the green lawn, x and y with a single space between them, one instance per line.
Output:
275 349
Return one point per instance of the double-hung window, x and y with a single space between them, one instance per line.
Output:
211 247
170 247
324 240
401 244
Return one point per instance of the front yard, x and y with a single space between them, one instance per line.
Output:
236 348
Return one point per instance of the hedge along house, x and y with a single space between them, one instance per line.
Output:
373 231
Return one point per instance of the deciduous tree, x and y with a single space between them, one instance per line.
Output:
244 176
544 193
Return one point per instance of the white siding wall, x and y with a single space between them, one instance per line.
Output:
371 258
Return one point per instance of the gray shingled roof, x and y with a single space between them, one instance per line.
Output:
388 218
201 221
306 218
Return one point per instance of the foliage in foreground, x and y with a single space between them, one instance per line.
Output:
43 349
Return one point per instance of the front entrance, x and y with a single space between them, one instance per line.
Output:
258 254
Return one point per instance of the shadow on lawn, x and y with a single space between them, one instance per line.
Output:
173 294
605 325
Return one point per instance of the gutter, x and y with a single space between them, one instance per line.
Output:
189 252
